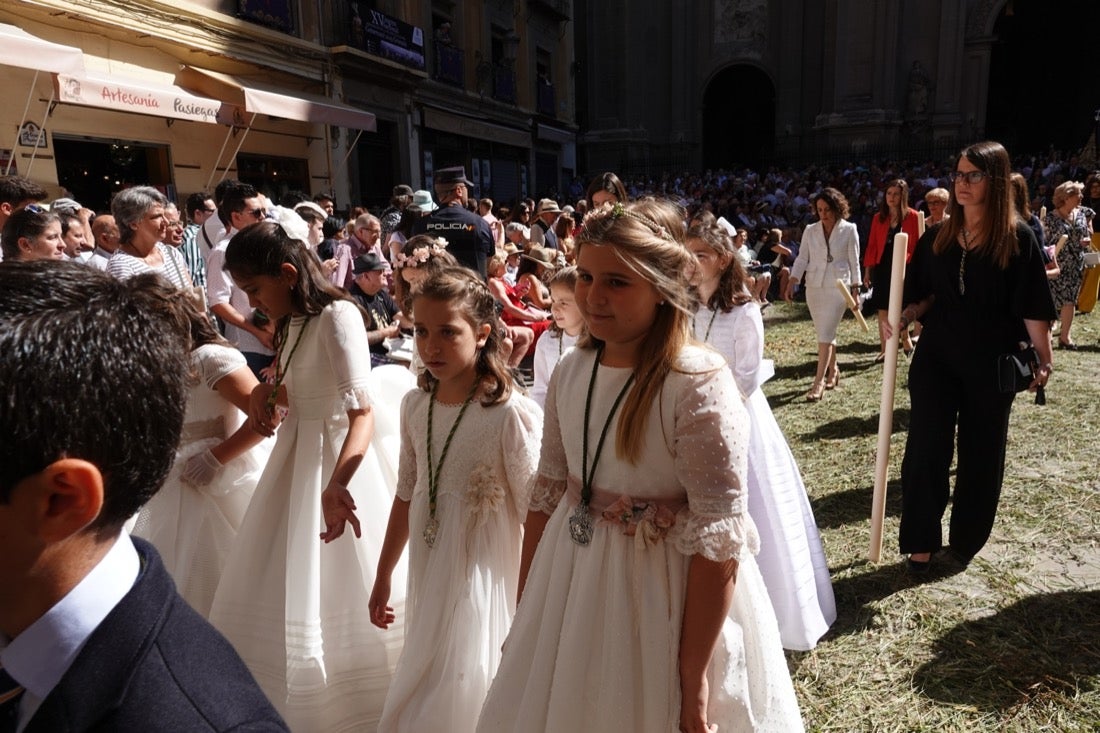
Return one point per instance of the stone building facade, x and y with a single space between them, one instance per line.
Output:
686 86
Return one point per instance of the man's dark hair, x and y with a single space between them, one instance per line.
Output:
233 202
324 196
290 199
123 347
220 192
196 202
16 189
333 226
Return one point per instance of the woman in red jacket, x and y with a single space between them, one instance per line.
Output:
894 216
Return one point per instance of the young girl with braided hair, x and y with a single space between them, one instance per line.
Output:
468 450
642 608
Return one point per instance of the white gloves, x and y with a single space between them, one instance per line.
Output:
200 470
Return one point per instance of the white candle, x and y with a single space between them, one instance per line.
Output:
1042 212
920 225
886 405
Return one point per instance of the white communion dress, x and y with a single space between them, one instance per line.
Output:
791 557
462 590
595 643
192 528
295 609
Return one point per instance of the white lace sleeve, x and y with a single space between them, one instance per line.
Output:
522 436
345 340
217 361
711 454
406 466
548 484
748 349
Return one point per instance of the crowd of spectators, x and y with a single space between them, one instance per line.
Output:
779 197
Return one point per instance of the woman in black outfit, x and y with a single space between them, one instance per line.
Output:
978 285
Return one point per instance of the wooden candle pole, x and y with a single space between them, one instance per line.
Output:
853 304
886 405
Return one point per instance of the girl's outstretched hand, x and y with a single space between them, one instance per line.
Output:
381 615
338 507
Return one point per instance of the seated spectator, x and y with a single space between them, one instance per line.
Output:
369 290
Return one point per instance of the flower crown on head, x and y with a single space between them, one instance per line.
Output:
421 255
600 220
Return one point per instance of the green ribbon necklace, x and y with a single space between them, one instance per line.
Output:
281 367
431 527
580 524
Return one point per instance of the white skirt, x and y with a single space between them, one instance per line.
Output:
827 307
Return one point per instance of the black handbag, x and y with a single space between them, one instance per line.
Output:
1016 372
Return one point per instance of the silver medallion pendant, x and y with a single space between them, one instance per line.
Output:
431 529
580 525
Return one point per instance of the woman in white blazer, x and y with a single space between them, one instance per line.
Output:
829 251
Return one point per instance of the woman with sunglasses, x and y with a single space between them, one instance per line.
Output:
33 233
142 229
978 284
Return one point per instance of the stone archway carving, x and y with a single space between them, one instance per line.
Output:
981 17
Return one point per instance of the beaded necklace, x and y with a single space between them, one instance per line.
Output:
431 527
281 367
962 262
580 524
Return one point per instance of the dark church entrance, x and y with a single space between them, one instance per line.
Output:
1043 90
738 118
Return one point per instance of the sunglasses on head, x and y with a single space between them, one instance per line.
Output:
36 209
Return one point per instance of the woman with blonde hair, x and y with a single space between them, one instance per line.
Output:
936 201
644 587
1069 217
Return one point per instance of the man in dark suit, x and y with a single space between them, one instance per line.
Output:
93 635
468 236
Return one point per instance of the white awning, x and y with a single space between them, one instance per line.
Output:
19 48
257 99
143 96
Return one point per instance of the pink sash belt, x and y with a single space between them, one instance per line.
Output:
655 516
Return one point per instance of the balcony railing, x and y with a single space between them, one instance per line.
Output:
544 103
450 64
504 84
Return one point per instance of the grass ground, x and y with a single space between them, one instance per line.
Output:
1012 643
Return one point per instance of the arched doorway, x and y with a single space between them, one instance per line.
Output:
1042 88
738 118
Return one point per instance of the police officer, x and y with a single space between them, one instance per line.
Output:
468 236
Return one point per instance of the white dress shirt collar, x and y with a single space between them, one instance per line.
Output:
39 657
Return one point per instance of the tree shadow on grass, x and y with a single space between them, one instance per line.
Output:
840 508
856 595
804 370
1043 645
852 427
775 316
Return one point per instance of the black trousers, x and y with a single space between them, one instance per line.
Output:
948 393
